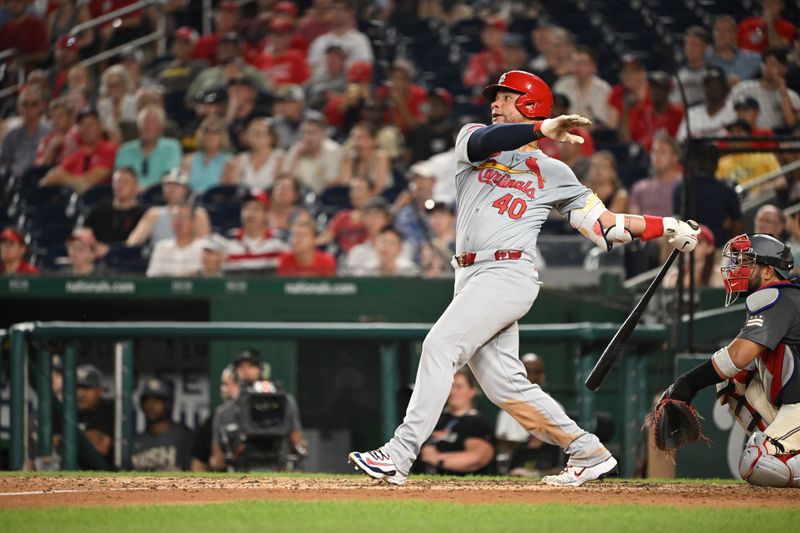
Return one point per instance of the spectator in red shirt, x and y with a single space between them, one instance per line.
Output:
288 12
91 163
403 98
13 247
489 60
305 259
26 33
630 102
346 227
280 63
66 56
759 33
226 19
662 117
316 20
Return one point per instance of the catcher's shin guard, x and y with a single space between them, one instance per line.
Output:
759 466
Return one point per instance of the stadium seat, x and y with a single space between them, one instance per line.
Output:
153 195
125 260
222 194
95 195
223 217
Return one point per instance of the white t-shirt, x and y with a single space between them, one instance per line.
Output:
355 44
591 103
317 172
769 102
170 260
443 167
704 125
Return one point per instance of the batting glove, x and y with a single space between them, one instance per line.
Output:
681 235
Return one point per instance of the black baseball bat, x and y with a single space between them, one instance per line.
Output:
614 349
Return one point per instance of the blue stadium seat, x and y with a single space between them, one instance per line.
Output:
222 194
95 195
153 195
125 260
224 216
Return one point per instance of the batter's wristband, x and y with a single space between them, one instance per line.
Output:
537 130
653 228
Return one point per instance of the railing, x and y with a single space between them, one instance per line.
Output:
586 338
766 178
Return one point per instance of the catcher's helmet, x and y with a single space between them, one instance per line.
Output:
743 252
535 100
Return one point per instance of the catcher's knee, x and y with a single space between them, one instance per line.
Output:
759 466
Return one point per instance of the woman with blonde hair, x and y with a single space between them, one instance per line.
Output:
603 179
258 167
117 101
207 165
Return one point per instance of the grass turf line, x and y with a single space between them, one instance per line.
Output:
372 516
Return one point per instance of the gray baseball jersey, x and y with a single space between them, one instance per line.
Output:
504 200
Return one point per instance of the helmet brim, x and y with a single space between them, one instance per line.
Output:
490 92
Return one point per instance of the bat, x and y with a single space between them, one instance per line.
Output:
614 349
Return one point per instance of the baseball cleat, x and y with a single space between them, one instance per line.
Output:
575 476
377 464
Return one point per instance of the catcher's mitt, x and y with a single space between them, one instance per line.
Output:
675 424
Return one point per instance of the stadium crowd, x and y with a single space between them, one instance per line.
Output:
316 138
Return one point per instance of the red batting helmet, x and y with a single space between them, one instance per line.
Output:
535 100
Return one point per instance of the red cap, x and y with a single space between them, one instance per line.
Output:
442 93
186 33
630 61
67 42
359 72
258 195
287 8
496 23
280 26
228 5
12 234
84 235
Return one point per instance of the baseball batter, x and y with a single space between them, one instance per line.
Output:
506 188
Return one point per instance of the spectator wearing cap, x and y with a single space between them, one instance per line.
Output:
365 158
83 251
747 109
770 29
244 99
315 21
117 102
737 63
693 71
315 158
26 33
215 251
490 60
345 110
769 219
343 33
95 413
287 11
151 154
742 167
62 139
411 219
253 248
212 102
178 256
710 118
206 166
304 259
706 265
587 93
257 167
164 445
91 163
630 102
64 16
664 117
18 151
121 30
226 20
176 76
654 193
346 228
112 222
435 255
156 224
389 259
443 166
279 62
329 80
375 217
779 105
402 99
436 133
13 247
66 55
289 113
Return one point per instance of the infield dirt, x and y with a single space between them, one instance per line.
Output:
33 491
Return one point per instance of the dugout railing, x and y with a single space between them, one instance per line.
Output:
587 340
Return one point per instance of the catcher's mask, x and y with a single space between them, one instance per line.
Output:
535 98
741 255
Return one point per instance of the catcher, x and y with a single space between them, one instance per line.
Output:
756 375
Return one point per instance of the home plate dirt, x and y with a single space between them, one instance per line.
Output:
28 491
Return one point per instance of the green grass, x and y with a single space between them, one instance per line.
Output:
380 516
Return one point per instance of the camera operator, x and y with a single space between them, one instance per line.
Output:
258 428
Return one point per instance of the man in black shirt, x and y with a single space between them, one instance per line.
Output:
113 221
437 134
164 445
95 413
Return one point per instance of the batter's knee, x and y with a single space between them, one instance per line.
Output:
437 351
759 466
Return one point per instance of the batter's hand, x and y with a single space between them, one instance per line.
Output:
558 128
682 235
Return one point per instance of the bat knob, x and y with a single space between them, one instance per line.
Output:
693 224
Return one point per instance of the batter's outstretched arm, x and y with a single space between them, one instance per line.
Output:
500 137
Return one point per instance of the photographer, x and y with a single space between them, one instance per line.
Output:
259 428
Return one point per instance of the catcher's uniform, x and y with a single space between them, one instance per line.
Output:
766 396
502 203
